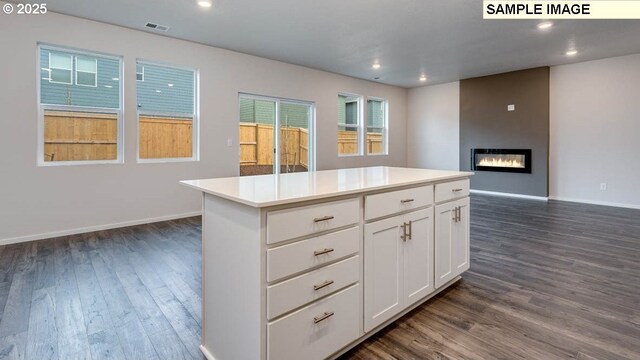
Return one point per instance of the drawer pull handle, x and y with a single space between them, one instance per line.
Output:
324 316
324 218
323 285
323 251
404 201
456 190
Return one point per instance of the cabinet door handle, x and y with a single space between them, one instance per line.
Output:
404 201
324 316
404 235
454 214
456 190
458 215
323 285
324 218
410 229
323 251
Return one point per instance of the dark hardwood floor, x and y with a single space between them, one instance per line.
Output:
547 281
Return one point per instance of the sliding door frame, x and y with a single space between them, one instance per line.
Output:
276 127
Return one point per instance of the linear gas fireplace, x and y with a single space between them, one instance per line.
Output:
505 160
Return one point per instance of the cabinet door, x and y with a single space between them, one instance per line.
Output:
444 231
418 256
382 271
461 245
451 241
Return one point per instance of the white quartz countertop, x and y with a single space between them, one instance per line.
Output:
270 190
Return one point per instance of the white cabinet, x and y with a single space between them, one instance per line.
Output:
398 264
451 240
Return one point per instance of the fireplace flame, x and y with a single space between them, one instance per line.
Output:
498 162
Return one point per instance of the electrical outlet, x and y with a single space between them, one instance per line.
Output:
603 186
229 142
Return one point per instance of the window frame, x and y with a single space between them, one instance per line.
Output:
358 126
277 123
75 71
50 70
141 73
385 128
195 124
119 112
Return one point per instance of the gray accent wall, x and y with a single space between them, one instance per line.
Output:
486 123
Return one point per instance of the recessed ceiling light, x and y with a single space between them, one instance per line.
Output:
545 25
571 52
376 66
170 85
205 3
423 77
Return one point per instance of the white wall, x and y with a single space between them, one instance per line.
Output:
433 127
595 131
37 202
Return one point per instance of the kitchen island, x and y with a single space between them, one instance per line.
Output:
307 265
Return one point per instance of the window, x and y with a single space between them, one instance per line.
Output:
86 71
79 121
376 126
139 72
60 68
167 113
276 135
349 124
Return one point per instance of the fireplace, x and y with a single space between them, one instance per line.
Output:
504 160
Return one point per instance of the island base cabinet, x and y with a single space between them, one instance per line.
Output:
398 263
318 330
451 240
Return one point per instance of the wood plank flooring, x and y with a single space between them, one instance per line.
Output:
547 281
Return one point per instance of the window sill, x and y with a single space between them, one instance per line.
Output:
79 163
167 160
348 155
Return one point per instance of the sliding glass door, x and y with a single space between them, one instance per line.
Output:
276 135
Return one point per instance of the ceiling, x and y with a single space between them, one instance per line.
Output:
445 39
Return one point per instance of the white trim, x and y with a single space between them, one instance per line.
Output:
595 202
204 350
81 230
520 196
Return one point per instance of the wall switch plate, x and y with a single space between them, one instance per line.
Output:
229 142
603 186
511 107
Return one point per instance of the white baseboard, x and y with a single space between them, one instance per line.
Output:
206 353
595 202
520 196
81 230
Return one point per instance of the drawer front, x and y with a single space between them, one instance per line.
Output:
318 330
306 288
293 258
452 190
292 223
392 202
